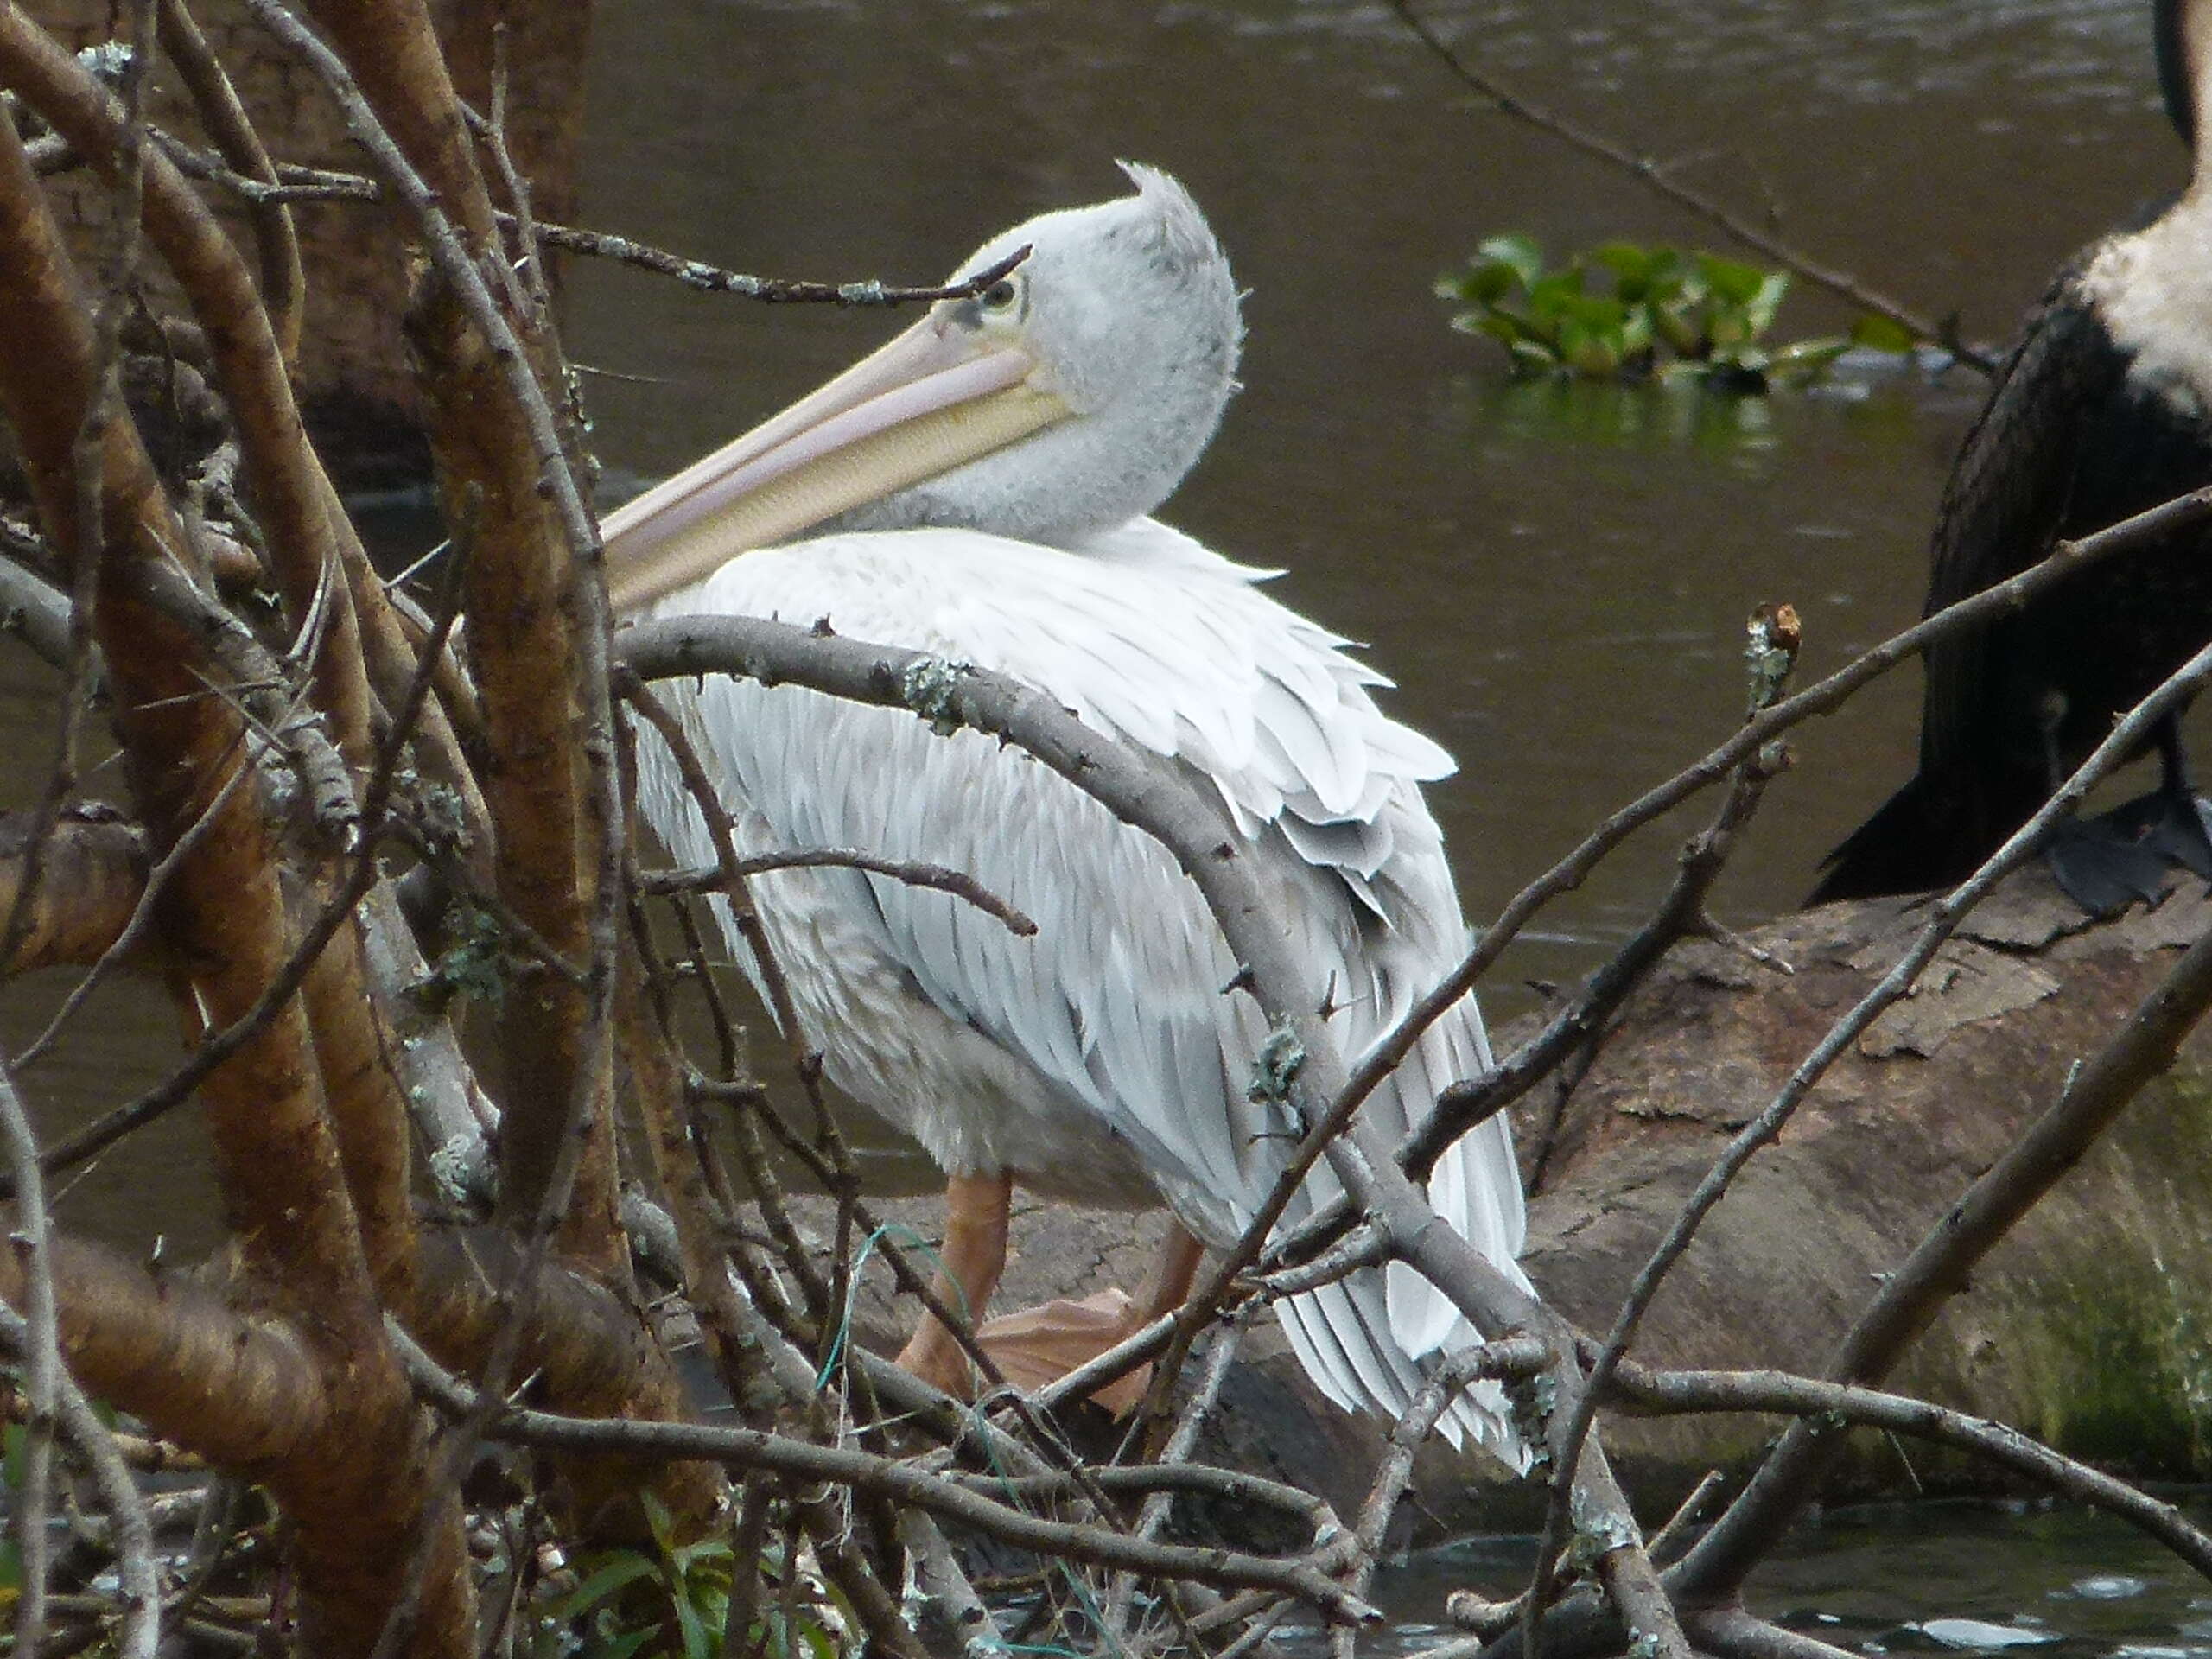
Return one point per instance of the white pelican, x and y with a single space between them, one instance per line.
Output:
980 489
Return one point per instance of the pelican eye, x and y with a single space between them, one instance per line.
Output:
1000 295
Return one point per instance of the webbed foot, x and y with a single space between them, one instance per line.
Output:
1040 1345
2107 863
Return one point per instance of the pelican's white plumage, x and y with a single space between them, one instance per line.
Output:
1103 1059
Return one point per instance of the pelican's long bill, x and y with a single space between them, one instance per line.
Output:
934 397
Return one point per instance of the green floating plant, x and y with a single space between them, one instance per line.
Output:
1653 311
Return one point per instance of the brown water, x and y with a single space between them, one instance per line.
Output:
1557 576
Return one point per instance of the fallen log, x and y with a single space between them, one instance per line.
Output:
2084 1328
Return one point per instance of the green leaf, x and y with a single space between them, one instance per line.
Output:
1732 280
1503 326
1480 284
1590 351
1803 361
1883 333
622 1569
1530 357
1492 281
621 1647
1628 260
1596 311
1517 251
1759 313
1635 269
659 1519
1550 297
698 1642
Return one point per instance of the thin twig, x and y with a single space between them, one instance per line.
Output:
321 184
745 918
1180 1444
1672 1539
283 283
138 1581
937 877
803 1460
1395 1474
42 1355
772 290
1772 652
1672 1392
806 1062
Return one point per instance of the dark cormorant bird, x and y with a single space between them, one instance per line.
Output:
2104 410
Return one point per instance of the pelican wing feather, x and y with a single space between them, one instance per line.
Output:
1120 1003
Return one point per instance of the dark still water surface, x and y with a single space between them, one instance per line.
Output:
1557 576
2039 1580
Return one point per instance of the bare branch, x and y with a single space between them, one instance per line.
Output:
1644 1388
41 1350
934 876
138 1579
296 183
772 290
283 283
745 1448
32 608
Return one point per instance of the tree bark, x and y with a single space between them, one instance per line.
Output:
356 1492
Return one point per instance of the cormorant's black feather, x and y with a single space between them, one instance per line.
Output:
2070 443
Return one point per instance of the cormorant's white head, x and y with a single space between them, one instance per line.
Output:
1068 397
